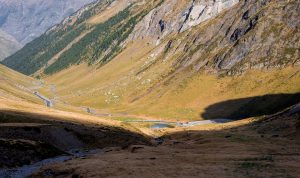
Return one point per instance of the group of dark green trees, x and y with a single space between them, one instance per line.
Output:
98 45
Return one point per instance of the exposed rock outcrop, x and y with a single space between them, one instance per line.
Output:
200 11
175 16
255 34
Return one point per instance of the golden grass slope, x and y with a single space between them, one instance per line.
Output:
17 86
123 85
145 80
16 95
110 11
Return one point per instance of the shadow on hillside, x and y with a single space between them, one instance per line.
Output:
205 152
26 138
250 107
99 136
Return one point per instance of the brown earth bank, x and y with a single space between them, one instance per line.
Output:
26 138
259 147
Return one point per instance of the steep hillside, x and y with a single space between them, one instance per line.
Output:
90 41
171 88
236 40
31 132
8 45
26 20
16 86
146 59
180 75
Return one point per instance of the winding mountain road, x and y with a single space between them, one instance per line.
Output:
47 101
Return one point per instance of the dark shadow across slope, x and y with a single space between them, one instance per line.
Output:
26 138
250 107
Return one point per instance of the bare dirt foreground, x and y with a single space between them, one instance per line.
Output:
265 147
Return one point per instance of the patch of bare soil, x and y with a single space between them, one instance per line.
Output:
265 147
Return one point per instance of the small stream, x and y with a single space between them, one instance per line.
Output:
165 124
161 126
27 170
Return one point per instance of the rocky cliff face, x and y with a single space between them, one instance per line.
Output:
255 34
200 11
234 36
176 16
28 19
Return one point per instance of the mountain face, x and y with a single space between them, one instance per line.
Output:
241 35
28 19
142 55
8 45
157 85
252 34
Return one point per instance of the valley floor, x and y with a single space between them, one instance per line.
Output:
151 89
265 147
259 144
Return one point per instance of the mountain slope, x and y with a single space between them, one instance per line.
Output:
8 45
43 49
15 86
31 132
231 39
175 70
26 20
145 57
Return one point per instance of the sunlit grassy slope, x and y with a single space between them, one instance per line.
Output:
120 86
18 90
16 96
109 12
179 82
17 86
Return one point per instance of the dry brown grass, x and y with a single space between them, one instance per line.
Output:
109 12
246 148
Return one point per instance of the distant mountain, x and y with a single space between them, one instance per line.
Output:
8 45
28 19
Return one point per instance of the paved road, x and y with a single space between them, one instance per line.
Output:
166 124
204 122
47 101
162 122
